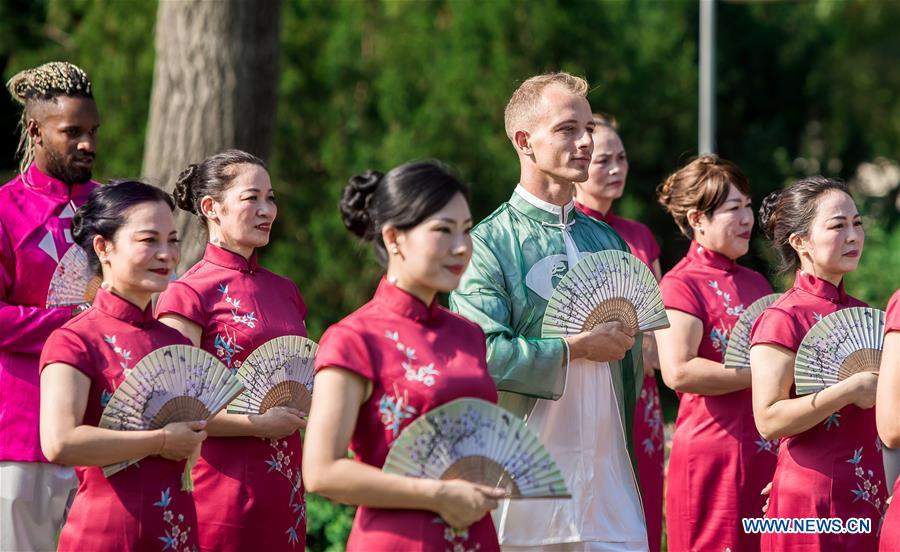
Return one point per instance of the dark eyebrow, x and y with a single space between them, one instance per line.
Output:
452 221
146 231
257 190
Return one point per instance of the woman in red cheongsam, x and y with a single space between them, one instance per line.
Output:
887 411
830 463
394 359
719 464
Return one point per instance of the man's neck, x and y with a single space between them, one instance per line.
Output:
544 187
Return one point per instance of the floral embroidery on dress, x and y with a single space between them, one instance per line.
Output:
456 538
653 420
105 396
767 445
719 338
176 537
394 409
424 374
226 348
281 461
248 320
817 317
124 353
866 490
731 311
833 420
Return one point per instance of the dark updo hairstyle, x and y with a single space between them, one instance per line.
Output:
703 184
791 211
104 213
402 198
210 178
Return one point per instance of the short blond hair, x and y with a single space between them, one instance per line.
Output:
524 101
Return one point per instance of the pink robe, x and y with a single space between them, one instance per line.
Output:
890 532
834 469
719 464
248 490
35 216
647 430
143 507
417 357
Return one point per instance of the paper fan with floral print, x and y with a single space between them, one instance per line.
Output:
841 344
279 372
737 354
176 383
73 283
480 442
603 287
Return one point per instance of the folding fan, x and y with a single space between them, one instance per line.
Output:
477 441
177 383
277 373
603 287
841 344
737 354
73 282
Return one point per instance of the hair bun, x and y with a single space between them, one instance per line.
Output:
767 213
356 200
183 185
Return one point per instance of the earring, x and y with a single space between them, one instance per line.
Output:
105 285
395 250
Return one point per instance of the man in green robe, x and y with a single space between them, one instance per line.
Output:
577 393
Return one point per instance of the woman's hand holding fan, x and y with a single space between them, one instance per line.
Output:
182 440
461 503
278 422
863 385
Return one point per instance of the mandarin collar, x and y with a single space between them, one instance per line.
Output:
35 179
123 309
229 259
708 257
406 304
536 208
608 218
821 288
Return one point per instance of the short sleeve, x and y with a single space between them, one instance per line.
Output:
182 300
777 327
678 295
652 247
301 304
66 346
892 321
342 347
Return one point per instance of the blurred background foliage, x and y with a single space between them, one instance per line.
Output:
804 87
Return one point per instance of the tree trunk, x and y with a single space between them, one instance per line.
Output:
214 87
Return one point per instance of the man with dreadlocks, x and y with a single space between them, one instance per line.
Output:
59 129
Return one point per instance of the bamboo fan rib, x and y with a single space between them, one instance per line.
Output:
480 442
603 287
737 354
177 383
73 283
841 344
279 372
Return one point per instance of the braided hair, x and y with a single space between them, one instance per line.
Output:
44 84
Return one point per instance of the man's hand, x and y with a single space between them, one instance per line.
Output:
604 343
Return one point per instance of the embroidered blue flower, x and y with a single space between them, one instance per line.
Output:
857 457
834 420
105 396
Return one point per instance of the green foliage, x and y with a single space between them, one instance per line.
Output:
327 524
803 88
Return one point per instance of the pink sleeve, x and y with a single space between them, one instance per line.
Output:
678 295
182 300
301 303
652 247
64 345
892 321
341 347
777 327
25 329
